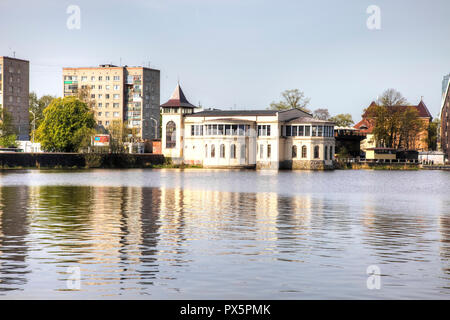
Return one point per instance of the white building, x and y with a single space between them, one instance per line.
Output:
290 139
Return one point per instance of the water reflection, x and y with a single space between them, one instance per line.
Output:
185 242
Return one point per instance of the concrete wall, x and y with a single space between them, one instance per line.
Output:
52 160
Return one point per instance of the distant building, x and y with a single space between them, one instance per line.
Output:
14 93
445 82
290 139
367 124
445 123
127 95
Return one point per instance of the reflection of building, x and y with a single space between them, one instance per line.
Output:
367 124
128 95
445 123
243 138
14 91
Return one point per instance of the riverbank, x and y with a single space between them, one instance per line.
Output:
376 166
15 160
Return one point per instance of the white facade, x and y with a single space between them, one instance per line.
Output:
290 139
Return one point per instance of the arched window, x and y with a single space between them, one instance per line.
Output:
222 151
294 152
304 152
325 153
213 151
233 151
331 152
171 134
243 151
206 151
316 152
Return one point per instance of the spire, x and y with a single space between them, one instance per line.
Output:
178 99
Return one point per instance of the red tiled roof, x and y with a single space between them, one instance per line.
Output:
365 126
421 108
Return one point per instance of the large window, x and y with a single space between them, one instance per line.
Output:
213 151
304 152
316 152
261 151
325 153
196 130
171 134
294 152
206 151
243 151
269 151
233 151
222 151
227 129
331 152
263 130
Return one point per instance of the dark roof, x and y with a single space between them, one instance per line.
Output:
230 113
421 108
178 99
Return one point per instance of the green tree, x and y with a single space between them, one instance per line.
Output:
394 124
67 126
432 135
343 120
8 134
292 99
321 114
36 108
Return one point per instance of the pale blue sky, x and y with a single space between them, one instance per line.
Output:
243 53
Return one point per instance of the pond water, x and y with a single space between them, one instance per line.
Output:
216 234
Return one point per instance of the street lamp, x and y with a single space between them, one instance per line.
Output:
156 126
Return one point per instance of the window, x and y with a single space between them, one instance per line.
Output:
107 78
222 151
116 78
331 152
206 151
294 131
107 96
92 78
320 131
294 152
316 152
115 105
301 130
261 151
116 114
171 133
269 151
233 151
107 87
106 114
100 78
92 96
325 153
304 152
213 151
99 104
288 131
116 87
307 131
116 96
243 151
100 87
314 131
107 123
100 96
83 78
99 114
263 130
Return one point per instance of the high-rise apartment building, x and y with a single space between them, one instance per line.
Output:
445 82
129 95
14 92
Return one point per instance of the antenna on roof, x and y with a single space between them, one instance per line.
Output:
120 61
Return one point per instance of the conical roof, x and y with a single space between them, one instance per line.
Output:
178 99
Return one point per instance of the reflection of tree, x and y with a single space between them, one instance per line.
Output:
14 226
444 222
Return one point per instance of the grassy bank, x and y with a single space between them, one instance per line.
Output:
377 166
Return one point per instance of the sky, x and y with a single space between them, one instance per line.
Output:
242 54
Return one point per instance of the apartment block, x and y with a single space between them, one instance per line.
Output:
14 93
129 95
